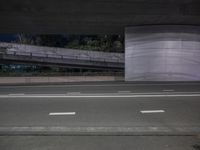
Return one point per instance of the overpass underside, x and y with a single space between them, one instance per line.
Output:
154 51
93 16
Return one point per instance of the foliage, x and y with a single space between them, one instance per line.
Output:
106 43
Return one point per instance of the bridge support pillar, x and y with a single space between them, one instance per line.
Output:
162 53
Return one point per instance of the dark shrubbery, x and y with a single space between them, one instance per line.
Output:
105 43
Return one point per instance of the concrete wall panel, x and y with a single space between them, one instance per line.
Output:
162 53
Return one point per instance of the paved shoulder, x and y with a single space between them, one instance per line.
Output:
99 142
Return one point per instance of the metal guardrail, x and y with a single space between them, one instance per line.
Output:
76 57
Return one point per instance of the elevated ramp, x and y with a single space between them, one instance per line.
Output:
63 57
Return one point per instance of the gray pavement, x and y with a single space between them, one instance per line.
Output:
105 108
99 143
103 87
100 116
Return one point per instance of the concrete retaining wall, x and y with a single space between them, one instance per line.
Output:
58 79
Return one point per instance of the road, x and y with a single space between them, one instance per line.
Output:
102 87
182 115
107 109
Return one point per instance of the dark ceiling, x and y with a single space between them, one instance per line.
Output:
93 16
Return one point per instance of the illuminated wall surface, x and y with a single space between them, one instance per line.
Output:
162 53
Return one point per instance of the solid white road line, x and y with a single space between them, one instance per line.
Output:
16 94
61 113
171 90
132 95
91 85
124 91
151 111
74 93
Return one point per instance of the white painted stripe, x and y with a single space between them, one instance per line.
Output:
124 91
61 113
138 93
90 85
74 93
152 111
171 90
16 94
100 96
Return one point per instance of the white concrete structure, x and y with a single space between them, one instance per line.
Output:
162 53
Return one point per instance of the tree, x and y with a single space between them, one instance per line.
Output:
25 39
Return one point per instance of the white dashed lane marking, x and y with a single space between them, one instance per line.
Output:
61 113
170 90
151 111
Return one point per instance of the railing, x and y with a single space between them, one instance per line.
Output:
76 57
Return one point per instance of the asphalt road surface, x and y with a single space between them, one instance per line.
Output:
102 87
137 112
99 143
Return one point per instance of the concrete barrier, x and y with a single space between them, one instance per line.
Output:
57 79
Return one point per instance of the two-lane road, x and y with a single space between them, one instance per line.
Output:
101 109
